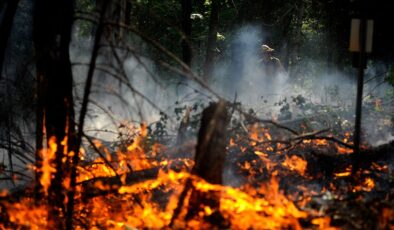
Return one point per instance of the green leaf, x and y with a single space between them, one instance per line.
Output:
207 2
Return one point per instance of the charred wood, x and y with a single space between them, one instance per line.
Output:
110 185
326 161
209 160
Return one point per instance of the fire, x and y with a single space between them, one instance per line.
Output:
295 163
251 212
269 165
321 142
347 172
47 168
150 203
344 150
258 134
382 168
135 155
323 223
133 158
387 218
98 168
265 207
367 185
343 174
27 214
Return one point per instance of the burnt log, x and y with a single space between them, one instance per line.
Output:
211 146
110 185
209 159
209 162
327 161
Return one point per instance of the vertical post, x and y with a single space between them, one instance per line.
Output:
360 82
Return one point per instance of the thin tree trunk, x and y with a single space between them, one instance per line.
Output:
186 6
211 42
52 36
296 40
78 139
5 29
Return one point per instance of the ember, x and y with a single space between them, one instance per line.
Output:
295 163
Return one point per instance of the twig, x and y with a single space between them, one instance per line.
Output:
374 77
101 155
187 71
78 141
256 119
333 139
376 86
181 201
122 78
310 135
306 136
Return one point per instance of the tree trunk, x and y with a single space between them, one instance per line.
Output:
296 40
186 6
209 161
211 146
211 42
5 29
52 35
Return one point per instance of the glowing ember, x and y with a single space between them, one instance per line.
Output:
295 163
321 142
347 172
323 223
343 174
344 150
367 185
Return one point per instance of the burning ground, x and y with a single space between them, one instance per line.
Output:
272 177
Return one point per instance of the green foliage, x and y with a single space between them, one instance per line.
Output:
390 75
160 131
85 28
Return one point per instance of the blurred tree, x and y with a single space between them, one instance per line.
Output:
52 34
186 22
211 40
5 28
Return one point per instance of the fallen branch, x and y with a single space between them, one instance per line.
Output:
101 155
90 188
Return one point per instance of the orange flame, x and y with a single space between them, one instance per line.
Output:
47 168
295 163
151 203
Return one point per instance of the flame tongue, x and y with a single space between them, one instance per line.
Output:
258 202
48 155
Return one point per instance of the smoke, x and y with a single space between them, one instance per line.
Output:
243 75
131 91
